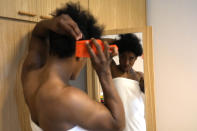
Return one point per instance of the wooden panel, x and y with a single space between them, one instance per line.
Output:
131 14
93 83
14 115
149 80
47 7
40 8
90 79
60 3
10 9
105 12
119 14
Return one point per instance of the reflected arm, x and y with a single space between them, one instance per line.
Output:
141 82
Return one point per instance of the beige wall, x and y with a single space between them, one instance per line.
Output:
175 56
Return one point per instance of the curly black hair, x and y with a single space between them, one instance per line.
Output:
129 43
64 46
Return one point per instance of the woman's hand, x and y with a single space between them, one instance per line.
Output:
64 24
101 60
113 51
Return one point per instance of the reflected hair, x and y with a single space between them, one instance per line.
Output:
129 43
64 46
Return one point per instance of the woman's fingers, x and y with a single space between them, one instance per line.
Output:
76 29
69 30
91 52
106 49
113 51
100 53
69 26
101 56
100 61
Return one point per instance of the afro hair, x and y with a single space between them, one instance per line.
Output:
64 46
129 43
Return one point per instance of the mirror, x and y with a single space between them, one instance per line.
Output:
146 107
128 76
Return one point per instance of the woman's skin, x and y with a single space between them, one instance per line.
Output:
125 69
53 103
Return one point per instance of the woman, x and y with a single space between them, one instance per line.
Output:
130 83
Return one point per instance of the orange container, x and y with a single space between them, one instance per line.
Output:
81 49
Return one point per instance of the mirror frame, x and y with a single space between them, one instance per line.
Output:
93 89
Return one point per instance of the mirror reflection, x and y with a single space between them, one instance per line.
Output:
128 76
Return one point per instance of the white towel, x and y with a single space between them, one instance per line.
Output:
34 127
133 102
37 128
77 128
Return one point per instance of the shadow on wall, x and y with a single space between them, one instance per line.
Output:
15 112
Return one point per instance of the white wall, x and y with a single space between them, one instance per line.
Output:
175 57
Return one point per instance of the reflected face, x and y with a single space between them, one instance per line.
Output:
80 62
127 60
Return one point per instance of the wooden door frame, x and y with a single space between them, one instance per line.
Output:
93 89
